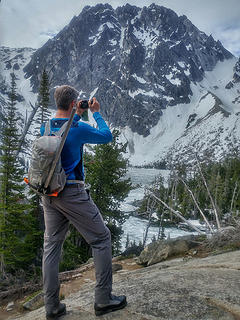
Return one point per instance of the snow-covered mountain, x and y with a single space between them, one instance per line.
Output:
171 89
14 60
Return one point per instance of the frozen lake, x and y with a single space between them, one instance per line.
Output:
135 227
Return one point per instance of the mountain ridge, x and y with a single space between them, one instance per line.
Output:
143 58
148 68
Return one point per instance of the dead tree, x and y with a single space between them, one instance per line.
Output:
150 208
233 197
177 213
26 127
160 228
195 202
209 194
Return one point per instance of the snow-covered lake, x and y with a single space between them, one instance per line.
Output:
135 227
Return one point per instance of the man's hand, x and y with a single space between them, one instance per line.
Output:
95 106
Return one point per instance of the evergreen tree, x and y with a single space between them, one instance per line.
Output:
43 113
75 251
17 240
127 242
105 174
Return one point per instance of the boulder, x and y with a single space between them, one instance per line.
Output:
158 251
116 267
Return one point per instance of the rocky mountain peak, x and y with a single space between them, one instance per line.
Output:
136 60
170 88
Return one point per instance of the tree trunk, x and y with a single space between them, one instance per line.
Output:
26 128
209 194
195 201
234 193
150 207
177 214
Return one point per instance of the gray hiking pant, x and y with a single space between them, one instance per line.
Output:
75 205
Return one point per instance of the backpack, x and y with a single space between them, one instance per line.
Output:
46 175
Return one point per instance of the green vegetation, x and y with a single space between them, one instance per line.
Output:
223 182
18 235
105 173
43 113
21 216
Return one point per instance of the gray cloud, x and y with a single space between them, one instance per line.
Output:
29 22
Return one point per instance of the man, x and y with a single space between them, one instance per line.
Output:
75 205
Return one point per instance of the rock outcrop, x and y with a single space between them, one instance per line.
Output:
161 250
196 289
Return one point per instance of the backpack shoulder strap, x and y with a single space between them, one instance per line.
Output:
55 133
61 130
47 128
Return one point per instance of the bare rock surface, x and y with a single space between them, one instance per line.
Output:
195 289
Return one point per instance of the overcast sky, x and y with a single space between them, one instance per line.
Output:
29 23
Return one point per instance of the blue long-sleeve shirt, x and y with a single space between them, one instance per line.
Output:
79 134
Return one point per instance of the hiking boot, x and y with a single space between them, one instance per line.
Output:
56 313
115 303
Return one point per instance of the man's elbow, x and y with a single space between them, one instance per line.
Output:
109 137
105 137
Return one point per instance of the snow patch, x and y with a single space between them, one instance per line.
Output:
181 64
199 125
95 38
122 36
150 93
113 42
92 94
139 79
147 38
175 81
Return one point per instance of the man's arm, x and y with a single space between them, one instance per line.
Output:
89 134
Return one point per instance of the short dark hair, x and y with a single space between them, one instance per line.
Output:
64 95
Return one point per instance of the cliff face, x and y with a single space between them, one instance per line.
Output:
137 61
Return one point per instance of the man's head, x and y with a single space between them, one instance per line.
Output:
64 96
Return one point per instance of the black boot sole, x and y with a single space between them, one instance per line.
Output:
54 317
103 311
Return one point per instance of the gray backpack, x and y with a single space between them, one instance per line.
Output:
46 175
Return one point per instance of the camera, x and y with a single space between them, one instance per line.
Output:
84 104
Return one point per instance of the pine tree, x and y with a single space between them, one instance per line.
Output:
127 242
105 174
16 236
43 113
